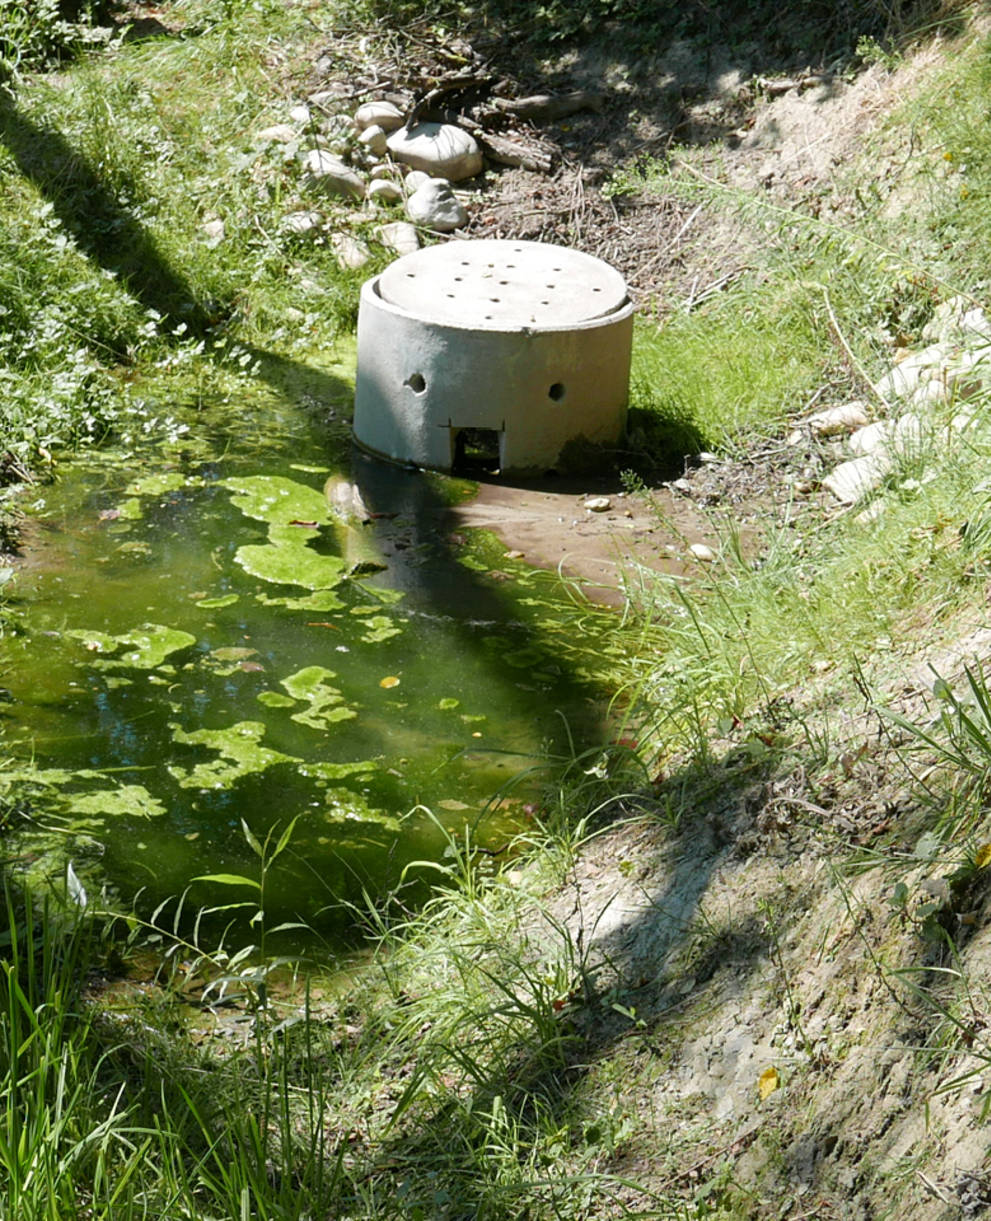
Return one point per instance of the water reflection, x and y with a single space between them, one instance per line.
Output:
436 680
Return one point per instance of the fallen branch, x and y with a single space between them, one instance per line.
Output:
774 88
507 150
546 107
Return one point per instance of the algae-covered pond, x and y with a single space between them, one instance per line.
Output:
199 644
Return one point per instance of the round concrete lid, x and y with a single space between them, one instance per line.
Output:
503 285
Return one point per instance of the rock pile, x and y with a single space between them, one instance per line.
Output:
922 402
374 158
378 156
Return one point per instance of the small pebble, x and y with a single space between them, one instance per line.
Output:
598 504
702 553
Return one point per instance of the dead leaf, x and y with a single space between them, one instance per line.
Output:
390 680
769 1081
983 856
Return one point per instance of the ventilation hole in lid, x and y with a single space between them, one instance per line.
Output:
416 382
495 300
556 392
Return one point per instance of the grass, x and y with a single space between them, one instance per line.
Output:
822 310
447 1087
463 1070
110 281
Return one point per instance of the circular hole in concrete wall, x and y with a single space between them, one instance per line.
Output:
556 392
417 383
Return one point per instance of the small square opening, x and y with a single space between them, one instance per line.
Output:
475 451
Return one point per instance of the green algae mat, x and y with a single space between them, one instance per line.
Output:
202 641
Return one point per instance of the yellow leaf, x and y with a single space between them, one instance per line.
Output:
983 856
770 1080
390 680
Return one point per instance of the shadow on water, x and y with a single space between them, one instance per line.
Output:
425 564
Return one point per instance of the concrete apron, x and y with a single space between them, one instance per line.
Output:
520 347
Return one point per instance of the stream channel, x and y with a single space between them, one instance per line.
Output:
197 645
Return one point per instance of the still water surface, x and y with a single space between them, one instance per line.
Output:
199 640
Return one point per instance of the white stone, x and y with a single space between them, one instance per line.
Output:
344 499
300 114
906 379
872 513
957 319
702 553
214 232
399 236
598 504
278 133
440 149
436 207
870 438
374 140
331 174
302 223
836 420
902 436
969 374
351 253
378 114
384 190
383 171
907 435
853 480
414 180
